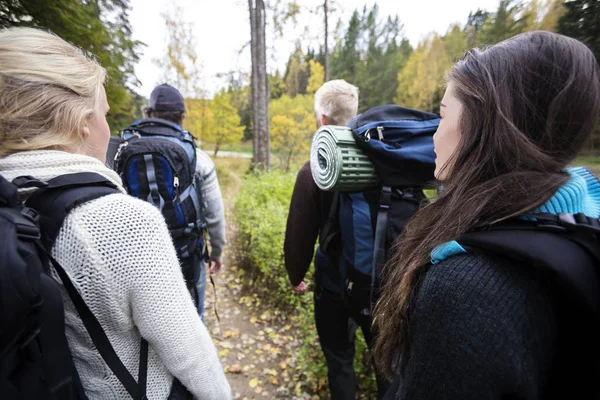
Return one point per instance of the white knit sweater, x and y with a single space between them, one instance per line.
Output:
119 254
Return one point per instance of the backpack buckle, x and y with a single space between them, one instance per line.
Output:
386 198
28 181
581 221
551 226
27 227
567 222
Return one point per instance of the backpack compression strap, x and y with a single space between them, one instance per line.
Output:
569 252
53 201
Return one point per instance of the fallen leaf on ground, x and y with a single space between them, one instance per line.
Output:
234 369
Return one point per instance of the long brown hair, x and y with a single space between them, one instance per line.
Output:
529 104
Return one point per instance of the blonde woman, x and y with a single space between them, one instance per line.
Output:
116 249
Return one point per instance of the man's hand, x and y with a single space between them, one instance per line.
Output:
215 265
301 288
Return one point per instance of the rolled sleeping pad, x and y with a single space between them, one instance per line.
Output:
337 164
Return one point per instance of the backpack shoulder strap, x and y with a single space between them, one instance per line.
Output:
389 195
379 253
330 234
157 126
62 194
137 390
156 122
572 256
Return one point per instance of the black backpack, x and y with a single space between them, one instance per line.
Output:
35 360
157 163
564 251
399 143
566 245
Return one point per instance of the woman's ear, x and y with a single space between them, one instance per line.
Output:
85 132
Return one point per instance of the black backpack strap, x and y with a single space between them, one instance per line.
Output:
100 340
572 254
385 211
157 126
379 247
63 193
329 237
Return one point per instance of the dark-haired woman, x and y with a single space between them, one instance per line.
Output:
457 323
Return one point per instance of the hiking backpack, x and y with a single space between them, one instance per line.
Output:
35 360
566 245
362 227
157 163
563 251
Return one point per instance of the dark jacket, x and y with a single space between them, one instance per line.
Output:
485 327
309 209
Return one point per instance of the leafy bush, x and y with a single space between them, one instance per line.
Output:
261 210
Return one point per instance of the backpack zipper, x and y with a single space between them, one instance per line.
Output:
120 150
379 133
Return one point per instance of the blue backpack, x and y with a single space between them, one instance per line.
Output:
157 163
363 227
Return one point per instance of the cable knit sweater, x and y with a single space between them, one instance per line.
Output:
119 255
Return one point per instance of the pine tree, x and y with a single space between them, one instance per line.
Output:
582 21
506 22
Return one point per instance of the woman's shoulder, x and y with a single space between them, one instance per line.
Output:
119 211
484 281
119 202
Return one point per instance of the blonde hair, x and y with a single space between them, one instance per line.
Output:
338 101
48 89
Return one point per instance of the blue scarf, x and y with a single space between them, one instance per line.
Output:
581 194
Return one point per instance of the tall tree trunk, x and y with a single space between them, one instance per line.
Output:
260 89
326 14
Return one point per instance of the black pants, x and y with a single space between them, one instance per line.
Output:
337 320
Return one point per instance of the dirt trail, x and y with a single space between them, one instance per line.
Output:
256 346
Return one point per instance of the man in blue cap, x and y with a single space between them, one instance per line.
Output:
165 115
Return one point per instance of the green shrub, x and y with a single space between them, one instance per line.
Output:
261 209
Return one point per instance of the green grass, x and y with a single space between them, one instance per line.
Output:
241 147
230 172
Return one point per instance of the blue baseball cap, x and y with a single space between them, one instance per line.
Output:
166 98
